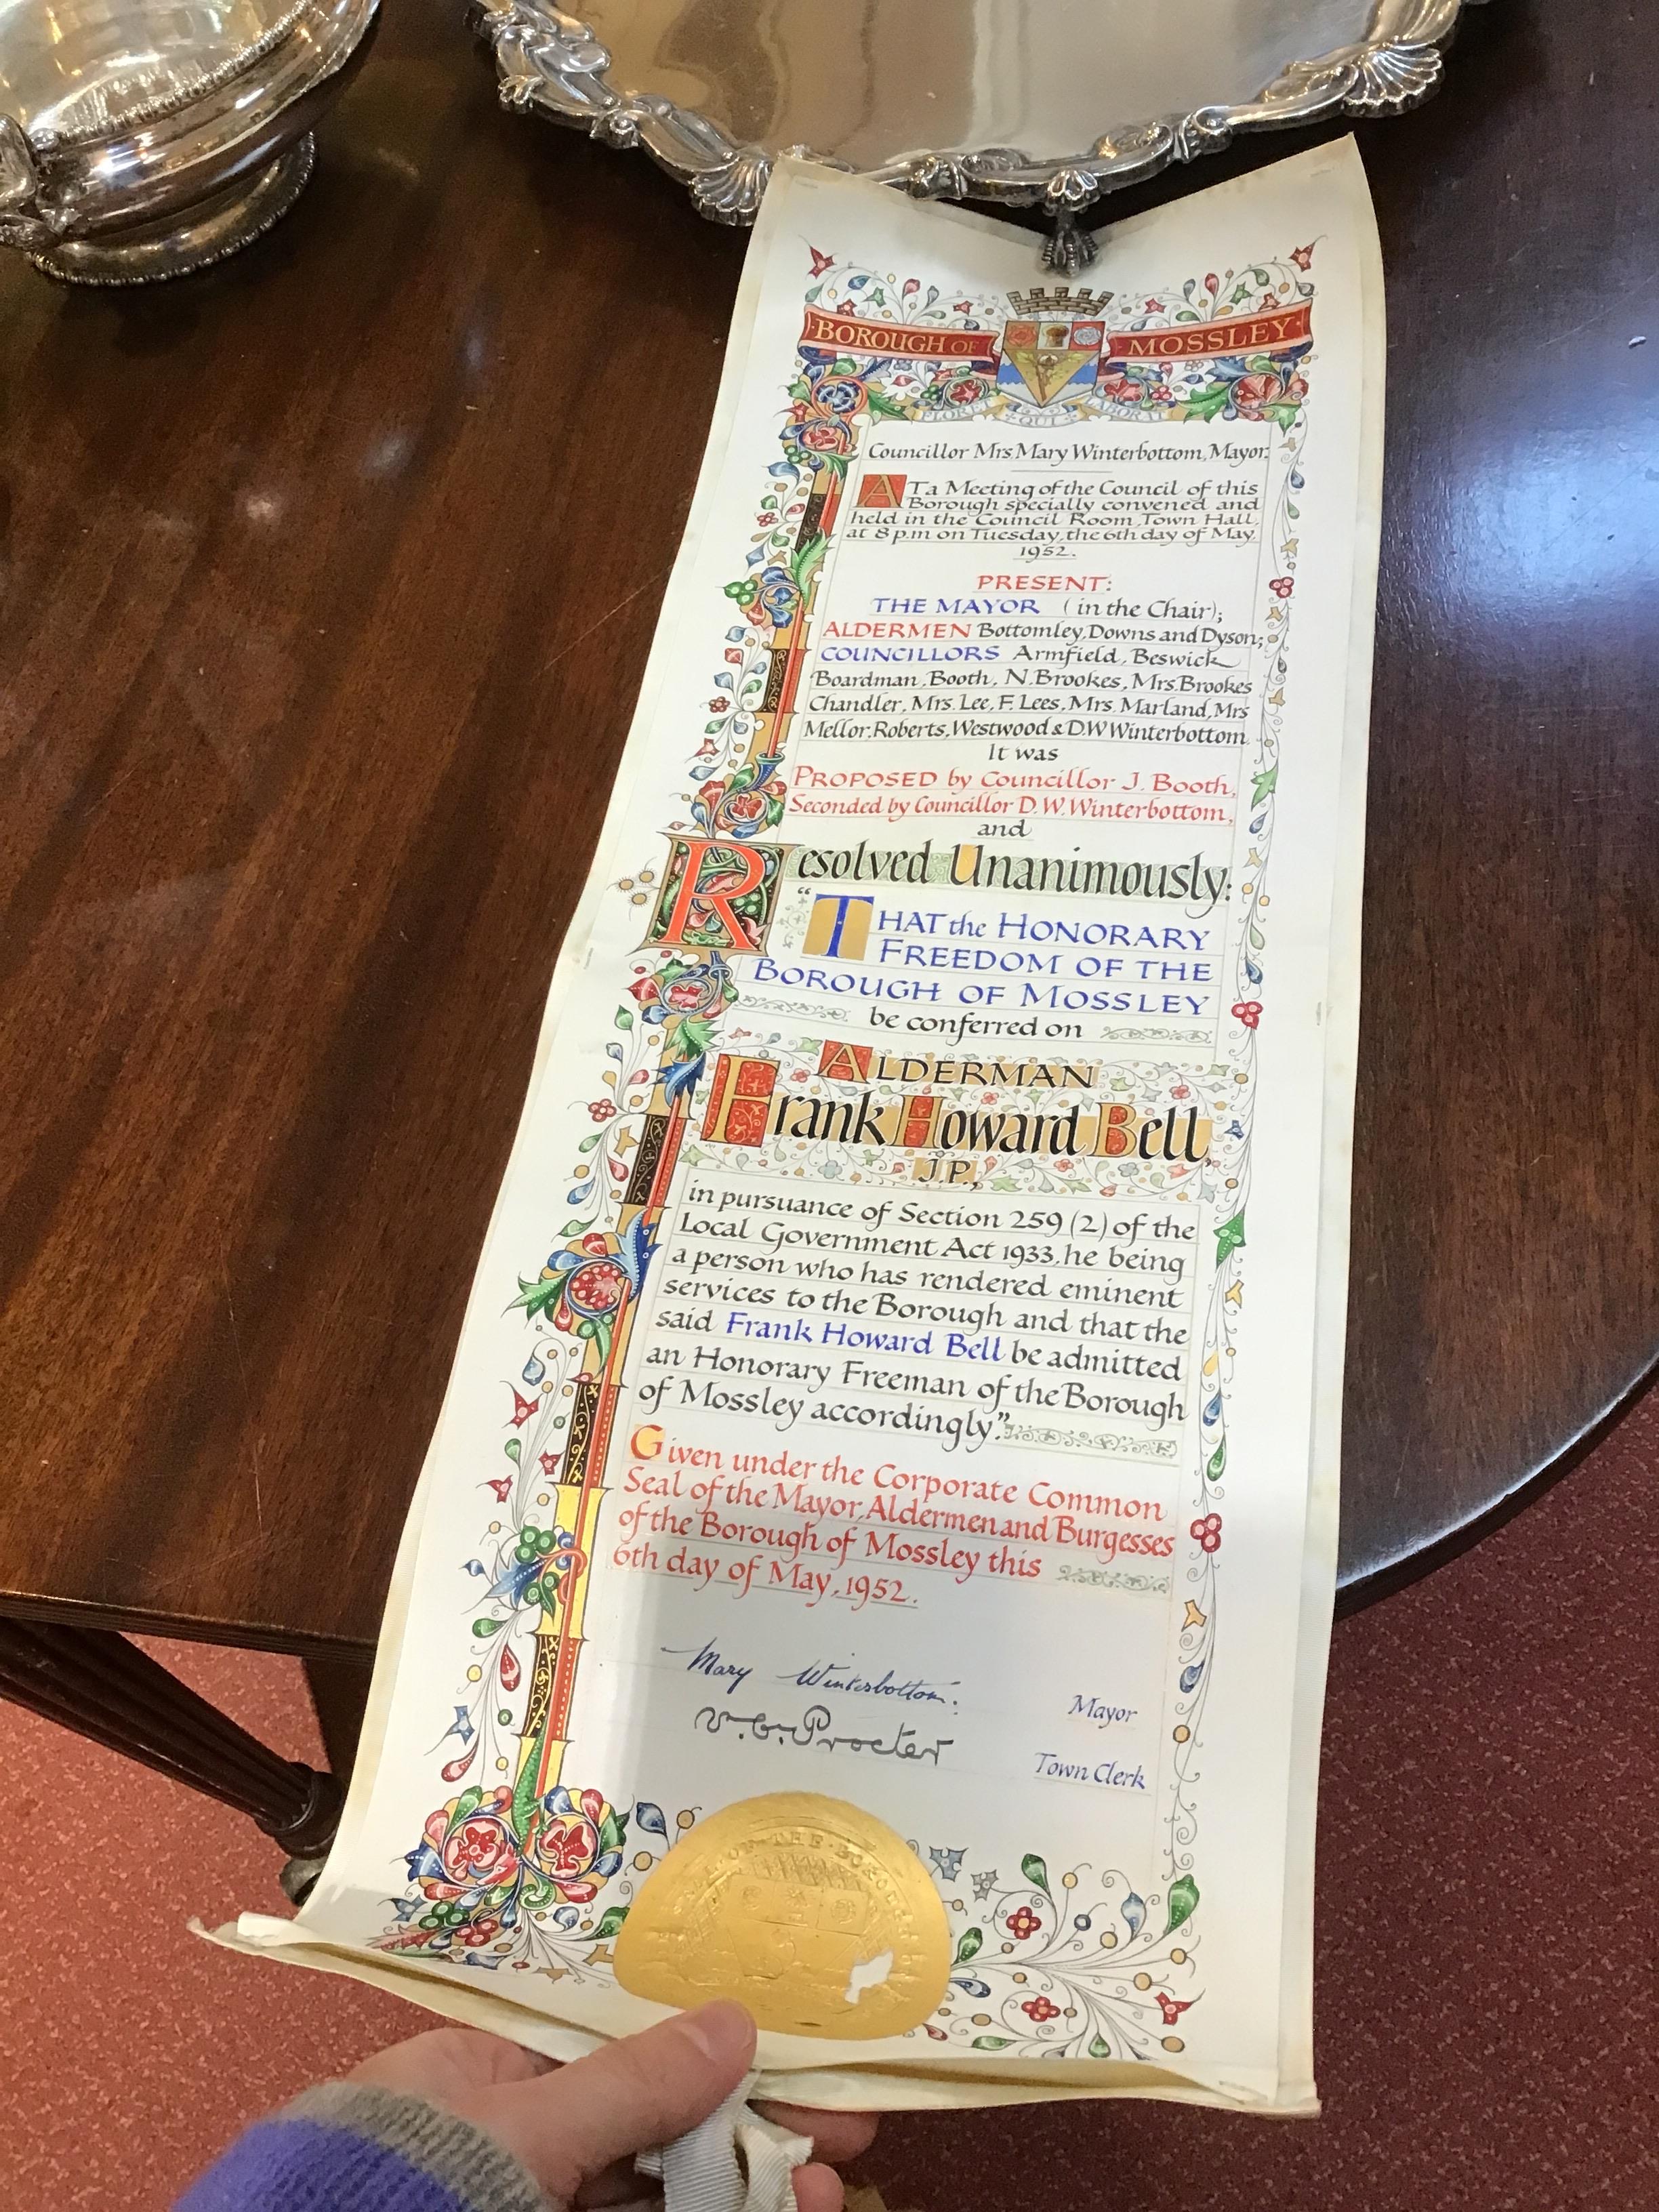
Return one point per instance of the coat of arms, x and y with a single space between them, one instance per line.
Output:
1053 350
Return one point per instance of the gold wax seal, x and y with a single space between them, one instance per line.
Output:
812 1913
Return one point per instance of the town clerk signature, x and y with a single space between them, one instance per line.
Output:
812 1732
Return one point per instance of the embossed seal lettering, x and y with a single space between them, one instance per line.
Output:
812 1913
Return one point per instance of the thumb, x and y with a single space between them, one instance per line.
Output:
631 2096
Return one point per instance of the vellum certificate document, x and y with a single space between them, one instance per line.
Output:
875 1560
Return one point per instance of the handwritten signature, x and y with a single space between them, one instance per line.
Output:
709 1661
842 1674
812 1732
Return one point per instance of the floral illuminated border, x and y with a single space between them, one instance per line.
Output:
517 1869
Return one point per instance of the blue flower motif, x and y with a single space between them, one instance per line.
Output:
778 595
842 395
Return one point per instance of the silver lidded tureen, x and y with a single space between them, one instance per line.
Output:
144 138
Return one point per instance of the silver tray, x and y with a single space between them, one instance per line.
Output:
1020 101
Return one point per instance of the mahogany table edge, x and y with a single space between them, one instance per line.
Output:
1358 1591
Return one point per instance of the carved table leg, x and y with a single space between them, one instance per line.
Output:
93 1681
339 1691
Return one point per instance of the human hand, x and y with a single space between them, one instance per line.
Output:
577 2128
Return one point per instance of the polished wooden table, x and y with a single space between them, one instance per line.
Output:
329 578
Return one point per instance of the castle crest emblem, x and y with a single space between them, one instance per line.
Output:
1051 351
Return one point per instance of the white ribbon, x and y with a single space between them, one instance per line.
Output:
735 2161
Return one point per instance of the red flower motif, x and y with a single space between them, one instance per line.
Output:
1282 586
477 1846
564 1846
1302 255
1022 1924
476 1933
1251 394
594 1245
744 806
602 1110
1180 1090
1040 2008
1206 1532
596 1289
826 438
1249 1011
732 653
477 1851
1172 2008
1118 387
645 992
685 998
720 706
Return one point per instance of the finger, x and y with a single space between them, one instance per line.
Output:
629 2097
449 2062
836 2136
817 2189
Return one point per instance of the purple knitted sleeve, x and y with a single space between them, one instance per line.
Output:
344 2148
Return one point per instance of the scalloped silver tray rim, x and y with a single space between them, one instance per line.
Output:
549 62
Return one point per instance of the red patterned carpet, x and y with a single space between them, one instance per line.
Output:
1488 2037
